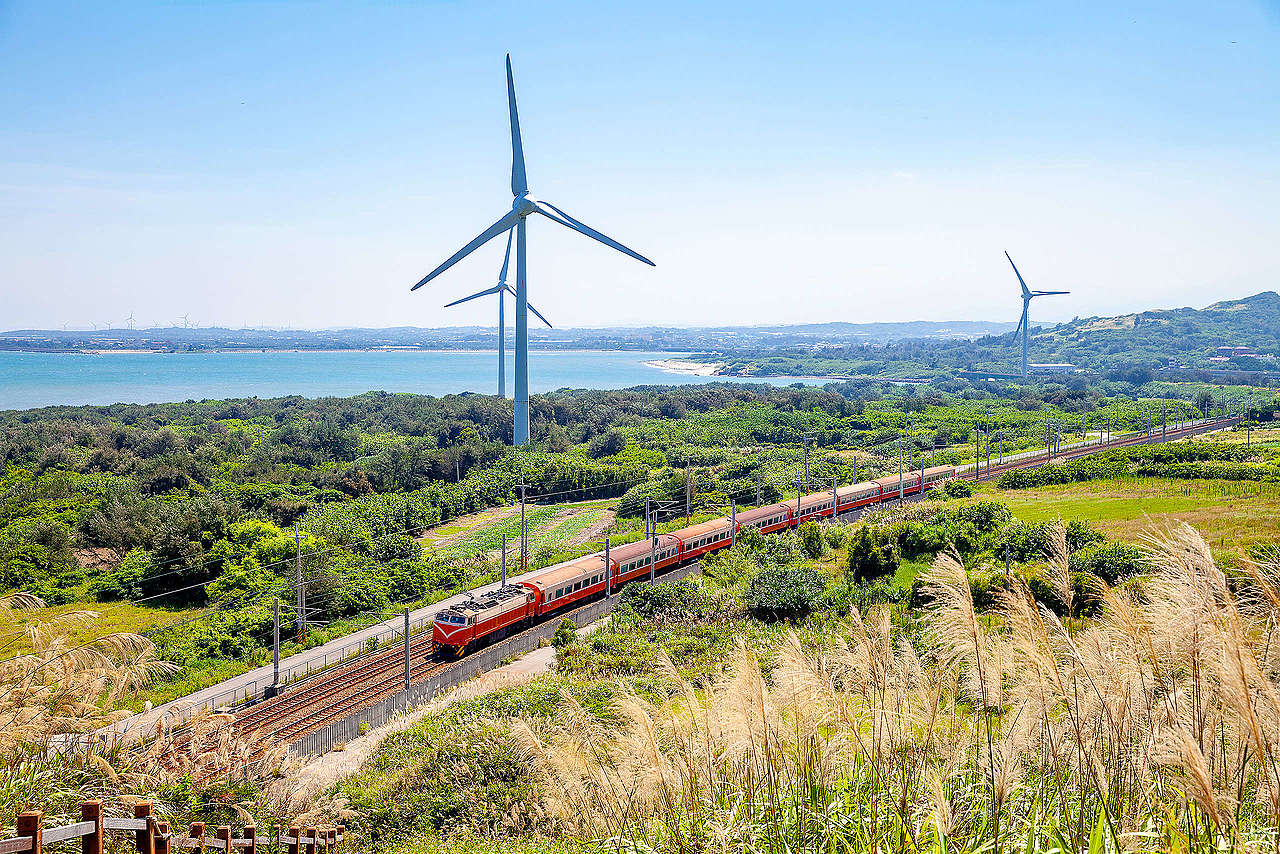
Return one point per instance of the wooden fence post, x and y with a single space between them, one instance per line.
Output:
31 825
296 833
333 836
251 834
311 840
342 832
161 838
146 839
197 833
92 843
224 834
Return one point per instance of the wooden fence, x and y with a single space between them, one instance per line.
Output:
152 836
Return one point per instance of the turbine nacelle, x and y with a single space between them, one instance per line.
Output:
524 204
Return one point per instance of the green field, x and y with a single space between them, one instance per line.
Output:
1225 512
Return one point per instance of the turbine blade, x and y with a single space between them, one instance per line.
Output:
552 212
538 314
1026 292
1048 293
534 310
508 220
1016 332
506 260
519 185
486 292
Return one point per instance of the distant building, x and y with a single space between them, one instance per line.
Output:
1052 368
1228 351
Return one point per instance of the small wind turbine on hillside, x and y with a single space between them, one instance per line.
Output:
522 207
1027 296
501 289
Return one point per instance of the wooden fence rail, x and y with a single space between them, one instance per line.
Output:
155 837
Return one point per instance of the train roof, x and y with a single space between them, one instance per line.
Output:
891 480
855 488
553 575
938 470
703 528
641 547
814 498
762 512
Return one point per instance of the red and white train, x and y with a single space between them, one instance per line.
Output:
557 588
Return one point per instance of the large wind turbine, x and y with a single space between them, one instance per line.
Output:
522 207
501 289
1027 296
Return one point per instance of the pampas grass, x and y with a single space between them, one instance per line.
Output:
1154 726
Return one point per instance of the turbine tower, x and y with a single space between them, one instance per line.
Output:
1027 296
501 289
522 207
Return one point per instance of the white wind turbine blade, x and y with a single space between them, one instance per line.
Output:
529 306
519 184
496 289
1026 292
506 261
552 212
507 221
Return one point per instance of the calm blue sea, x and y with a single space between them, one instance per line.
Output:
45 379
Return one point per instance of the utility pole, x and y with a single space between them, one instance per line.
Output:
524 533
406 649
806 449
900 453
648 518
835 496
608 570
653 554
733 522
504 558
688 496
302 598
757 488
275 647
1164 420
799 492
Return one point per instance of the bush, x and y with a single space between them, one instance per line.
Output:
667 601
1112 562
872 554
811 538
956 488
784 593
565 634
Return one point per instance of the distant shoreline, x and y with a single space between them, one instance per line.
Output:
680 366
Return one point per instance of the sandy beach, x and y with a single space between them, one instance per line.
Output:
680 366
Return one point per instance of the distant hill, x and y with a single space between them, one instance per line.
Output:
1179 337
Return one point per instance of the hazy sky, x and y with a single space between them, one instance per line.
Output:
304 163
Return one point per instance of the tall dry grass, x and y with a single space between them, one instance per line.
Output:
1153 727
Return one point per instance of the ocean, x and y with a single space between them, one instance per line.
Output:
29 380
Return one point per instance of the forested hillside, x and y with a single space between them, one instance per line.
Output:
1135 346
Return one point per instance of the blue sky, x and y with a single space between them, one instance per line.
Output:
304 163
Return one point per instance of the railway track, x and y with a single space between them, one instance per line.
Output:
332 696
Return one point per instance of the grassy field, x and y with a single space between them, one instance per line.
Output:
112 617
1225 512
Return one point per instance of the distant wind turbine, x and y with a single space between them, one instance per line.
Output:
522 207
501 289
1027 296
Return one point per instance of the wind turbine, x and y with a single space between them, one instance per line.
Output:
1027 296
501 289
522 207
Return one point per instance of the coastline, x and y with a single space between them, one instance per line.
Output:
680 366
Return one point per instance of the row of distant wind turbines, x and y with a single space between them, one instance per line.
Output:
514 222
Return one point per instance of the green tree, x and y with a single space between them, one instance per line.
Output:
872 554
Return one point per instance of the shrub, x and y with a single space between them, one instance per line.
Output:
872 554
781 593
811 538
1112 562
667 601
565 634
